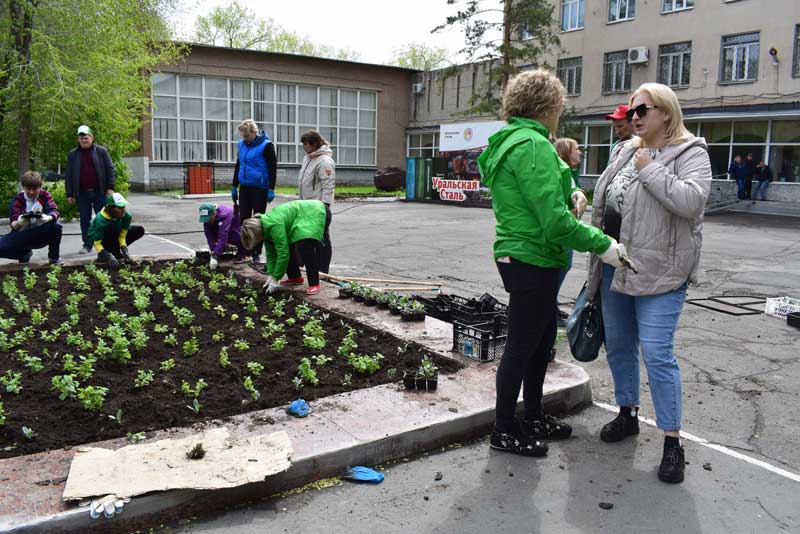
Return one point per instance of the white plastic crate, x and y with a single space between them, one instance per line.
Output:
781 306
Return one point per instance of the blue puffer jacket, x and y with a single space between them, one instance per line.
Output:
253 170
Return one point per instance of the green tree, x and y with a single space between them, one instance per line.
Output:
237 26
514 34
419 56
70 62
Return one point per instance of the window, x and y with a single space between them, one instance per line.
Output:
597 149
740 58
616 72
572 12
619 10
674 62
196 118
796 70
525 33
569 72
669 6
423 145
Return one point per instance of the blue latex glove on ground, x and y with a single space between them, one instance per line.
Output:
298 408
363 474
270 195
234 193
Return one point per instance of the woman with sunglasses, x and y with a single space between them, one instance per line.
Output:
651 199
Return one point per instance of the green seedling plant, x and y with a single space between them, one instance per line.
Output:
427 369
297 382
183 316
52 297
290 322
195 330
37 317
170 340
182 293
118 417
223 357
34 363
21 304
189 391
92 397
348 343
308 374
247 382
249 323
29 433
234 317
348 380
160 328
391 373
52 276
167 365
218 336
314 334
241 345
12 381
321 360
79 281
220 310
301 311
140 339
365 364
255 368
2 414
278 344
66 385
136 437
277 308
250 306
28 278
195 406
144 378
191 347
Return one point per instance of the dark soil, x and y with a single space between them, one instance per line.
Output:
161 404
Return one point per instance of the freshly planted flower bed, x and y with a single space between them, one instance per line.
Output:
87 354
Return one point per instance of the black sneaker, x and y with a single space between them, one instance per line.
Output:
509 442
621 427
673 462
548 427
27 257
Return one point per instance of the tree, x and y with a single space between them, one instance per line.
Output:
237 26
419 56
68 62
513 34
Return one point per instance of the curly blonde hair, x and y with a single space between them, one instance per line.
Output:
248 126
533 94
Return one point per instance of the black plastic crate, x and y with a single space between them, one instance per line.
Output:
452 308
793 319
483 342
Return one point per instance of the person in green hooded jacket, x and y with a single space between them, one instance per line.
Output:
290 232
532 198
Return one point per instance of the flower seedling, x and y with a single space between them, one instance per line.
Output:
321 360
348 380
306 372
118 417
143 378
136 437
249 323
234 317
426 368
301 311
250 387
297 382
223 357
220 310
28 278
79 281
92 397
218 336
278 344
66 385
189 391
167 365
52 276
363 363
183 316
241 345
348 343
34 363
191 347
2 415
29 433
195 406
37 317
12 381
255 368
171 340
391 373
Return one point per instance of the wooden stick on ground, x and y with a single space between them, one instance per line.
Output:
376 280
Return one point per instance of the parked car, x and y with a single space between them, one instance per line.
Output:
50 176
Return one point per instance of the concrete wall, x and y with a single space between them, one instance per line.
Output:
139 172
784 192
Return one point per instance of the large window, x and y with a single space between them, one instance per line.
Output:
668 6
616 72
423 145
572 13
674 64
597 148
796 69
196 118
739 57
619 10
569 72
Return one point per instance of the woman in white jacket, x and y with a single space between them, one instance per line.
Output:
317 181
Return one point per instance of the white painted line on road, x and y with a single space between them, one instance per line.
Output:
171 242
719 448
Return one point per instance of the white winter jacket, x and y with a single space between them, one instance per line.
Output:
317 178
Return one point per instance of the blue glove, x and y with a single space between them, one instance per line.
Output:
363 474
298 408
270 195
234 193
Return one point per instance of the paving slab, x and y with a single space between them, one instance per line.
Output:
363 427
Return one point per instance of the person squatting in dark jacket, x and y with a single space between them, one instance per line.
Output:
34 223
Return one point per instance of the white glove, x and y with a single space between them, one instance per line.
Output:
270 286
579 202
18 224
107 506
46 218
617 256
213 263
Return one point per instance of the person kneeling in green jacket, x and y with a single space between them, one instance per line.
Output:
289 231
111 232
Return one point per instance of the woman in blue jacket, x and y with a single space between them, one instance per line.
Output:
254 174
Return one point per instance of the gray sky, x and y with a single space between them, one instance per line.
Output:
372 28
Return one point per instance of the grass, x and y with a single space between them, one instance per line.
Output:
342 191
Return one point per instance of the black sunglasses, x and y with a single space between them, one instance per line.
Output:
640 110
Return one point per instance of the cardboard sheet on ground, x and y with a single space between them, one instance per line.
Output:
163 465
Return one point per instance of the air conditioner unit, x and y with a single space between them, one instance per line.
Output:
638 54
418 88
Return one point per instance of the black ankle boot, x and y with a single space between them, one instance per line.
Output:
517 443
625 424
673 462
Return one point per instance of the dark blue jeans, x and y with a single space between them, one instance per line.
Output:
89 201
740 188
16 244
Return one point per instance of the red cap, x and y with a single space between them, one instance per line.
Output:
619 113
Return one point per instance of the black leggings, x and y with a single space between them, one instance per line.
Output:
111 238
315 255
531 332
252 201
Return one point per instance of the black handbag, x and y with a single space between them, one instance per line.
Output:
585 327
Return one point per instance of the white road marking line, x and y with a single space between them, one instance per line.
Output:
171 242
719 448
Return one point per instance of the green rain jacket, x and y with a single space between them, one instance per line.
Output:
531 189
287 224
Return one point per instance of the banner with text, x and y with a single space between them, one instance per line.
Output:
466 135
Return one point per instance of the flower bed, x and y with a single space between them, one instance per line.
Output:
87 354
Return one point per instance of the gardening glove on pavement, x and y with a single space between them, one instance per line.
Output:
579 203
271 285
107 506
104 257
213 263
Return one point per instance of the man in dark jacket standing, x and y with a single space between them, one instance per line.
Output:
750 166
89 179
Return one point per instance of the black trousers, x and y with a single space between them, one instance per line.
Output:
533 293
111 238
315 255
252 200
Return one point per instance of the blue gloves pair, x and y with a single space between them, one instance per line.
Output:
235 194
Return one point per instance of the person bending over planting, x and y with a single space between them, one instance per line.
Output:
221 226
290 232
111 232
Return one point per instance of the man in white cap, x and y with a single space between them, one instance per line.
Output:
89 179
111 232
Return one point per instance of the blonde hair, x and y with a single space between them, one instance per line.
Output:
664 99
248 126
251 233
533 94
564 147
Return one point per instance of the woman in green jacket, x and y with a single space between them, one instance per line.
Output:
288 231
532 195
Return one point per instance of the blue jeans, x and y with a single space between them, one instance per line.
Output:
649 320
740 188
761 185
88 201
563 275
15 245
